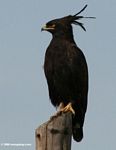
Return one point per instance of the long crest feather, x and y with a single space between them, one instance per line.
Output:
76 17
81 10
80 24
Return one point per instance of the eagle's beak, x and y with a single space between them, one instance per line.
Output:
45 28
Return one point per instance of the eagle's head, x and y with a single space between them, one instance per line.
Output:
64 24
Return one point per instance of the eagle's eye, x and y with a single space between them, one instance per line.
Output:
52 26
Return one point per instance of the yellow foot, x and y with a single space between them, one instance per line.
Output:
61 109
68 108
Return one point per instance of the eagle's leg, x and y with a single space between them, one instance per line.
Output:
61 109
68 108
61 106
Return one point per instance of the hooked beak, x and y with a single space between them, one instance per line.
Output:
45 28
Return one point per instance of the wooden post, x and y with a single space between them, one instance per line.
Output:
55 134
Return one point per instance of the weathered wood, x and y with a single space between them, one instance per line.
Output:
55 134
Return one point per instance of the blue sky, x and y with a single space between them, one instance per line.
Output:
24 101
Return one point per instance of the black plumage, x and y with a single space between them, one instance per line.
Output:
66 70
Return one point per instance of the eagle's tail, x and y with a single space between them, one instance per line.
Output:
77 125
77 131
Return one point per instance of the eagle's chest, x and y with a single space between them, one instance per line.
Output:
60 55
60 62
60 66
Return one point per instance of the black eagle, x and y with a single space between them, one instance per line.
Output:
66 71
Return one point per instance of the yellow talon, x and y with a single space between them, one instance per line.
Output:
61 109
68 108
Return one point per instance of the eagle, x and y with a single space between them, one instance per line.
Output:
66 71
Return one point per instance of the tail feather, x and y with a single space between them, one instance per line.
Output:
77 132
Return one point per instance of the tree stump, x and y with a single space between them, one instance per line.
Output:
55 134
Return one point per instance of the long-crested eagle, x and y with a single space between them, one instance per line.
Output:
66 71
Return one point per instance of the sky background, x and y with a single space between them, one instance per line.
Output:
24 100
